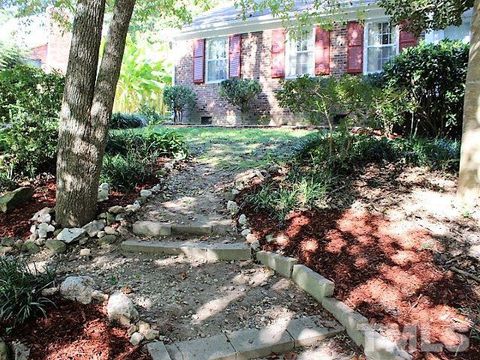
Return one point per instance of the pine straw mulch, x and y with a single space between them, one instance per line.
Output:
75 332
393 272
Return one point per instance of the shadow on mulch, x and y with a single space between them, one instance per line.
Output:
384 269
75 331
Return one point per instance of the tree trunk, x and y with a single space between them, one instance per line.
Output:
469 181
75 168
106 86
87 108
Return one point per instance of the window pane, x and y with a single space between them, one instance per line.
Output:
380 34
217 59
217 49
377 57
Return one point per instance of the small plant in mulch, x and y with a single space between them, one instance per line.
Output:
21 288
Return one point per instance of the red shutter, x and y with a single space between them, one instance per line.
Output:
407 39
322 51
199 61
235 56
278 53
355 48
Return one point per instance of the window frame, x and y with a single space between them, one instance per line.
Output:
288 54
395 44
207 60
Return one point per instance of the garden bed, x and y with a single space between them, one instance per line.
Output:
74 331
390 253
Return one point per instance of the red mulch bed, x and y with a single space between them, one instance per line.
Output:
383 271
16 223
76 332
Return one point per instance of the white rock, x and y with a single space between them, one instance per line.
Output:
101 234
136 338
121 309
132 208
242 220
33 229
20 351
116 209
71 235
143 327
246 232
146 193
102 195
251 238
44 229
78 288
157 188
232 206
152 335
43 216
50 291
99 296
104 186
85 252
109 230
92 228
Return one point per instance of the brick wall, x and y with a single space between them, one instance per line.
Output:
256 64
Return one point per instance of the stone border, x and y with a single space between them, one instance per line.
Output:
202 251
249 343
375 345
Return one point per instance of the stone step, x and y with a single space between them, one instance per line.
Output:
197 250
155 228
282 337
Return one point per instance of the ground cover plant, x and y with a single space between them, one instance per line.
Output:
21 288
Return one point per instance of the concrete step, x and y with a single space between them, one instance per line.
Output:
197 250
155 228
279 338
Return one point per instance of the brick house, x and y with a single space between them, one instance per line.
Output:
219 45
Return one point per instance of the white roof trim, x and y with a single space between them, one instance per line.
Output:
260 23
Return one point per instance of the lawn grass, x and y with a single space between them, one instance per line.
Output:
241 149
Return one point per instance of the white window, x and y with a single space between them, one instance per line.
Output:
217 59
300 59
381 45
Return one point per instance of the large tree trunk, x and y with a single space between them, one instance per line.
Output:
83 132
469 181
107 80
76 162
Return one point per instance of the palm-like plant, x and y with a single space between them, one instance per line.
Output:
142 79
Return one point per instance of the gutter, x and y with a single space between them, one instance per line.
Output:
265 22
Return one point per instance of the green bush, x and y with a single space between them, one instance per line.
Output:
433 76
127 121
240 92
20 291
31 143
353 151
11 55
31 91
179 98
125 172
151 115
163 143
323 100
131 157
301 190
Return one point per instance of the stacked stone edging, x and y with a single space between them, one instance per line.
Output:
375 345
249 343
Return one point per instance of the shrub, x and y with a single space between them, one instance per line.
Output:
11 55
20 291
163 143
433 76
323 100
31 143
440 154
240 93
179 98
151 115
127 121
125 172
30 90
131 157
